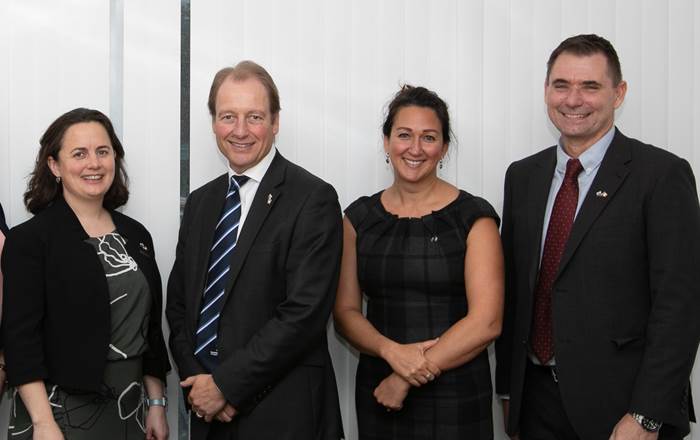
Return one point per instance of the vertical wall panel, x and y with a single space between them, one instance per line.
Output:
151 132
628 43
680 79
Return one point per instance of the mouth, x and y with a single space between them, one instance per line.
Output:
574 116
413 163
240 145
92 177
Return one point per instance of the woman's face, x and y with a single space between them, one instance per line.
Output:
415 144
85 163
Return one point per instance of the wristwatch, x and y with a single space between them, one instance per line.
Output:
163 401
649 425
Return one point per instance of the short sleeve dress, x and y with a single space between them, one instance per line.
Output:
411 271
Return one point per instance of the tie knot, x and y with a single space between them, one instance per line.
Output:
573 169
238 181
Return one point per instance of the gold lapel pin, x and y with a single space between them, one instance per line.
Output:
602 194
269 199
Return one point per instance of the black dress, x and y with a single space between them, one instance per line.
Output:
412 273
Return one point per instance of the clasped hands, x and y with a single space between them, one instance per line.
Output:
207 400
411 368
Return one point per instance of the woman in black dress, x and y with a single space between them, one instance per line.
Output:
3 231
427 257
82 307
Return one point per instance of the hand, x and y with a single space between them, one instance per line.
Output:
47 431
205 397
156 424
392 391
628 429
506 413
227 414
409 362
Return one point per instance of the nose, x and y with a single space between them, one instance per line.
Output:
415 146
240 128
93 161
574 98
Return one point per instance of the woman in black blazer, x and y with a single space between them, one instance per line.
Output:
82 326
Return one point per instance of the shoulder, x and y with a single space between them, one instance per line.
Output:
298 175
523 166
469 208
362 209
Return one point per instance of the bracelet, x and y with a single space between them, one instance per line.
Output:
163 401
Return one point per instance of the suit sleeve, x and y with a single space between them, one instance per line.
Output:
23 307
175 310
300 320
673 327
504 344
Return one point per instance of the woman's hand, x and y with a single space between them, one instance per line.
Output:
47 431
409 362
391 392
156 424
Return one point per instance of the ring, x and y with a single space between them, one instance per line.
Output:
198 415
430 376
388 410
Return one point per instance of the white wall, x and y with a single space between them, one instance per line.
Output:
336 64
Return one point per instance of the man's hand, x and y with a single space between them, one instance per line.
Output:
392 391
205 397
409 362
628 429
227 414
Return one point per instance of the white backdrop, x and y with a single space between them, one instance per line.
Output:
336 64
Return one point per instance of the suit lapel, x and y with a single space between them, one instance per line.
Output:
212 203
613 171
538 192
265 198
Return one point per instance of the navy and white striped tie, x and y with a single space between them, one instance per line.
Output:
225 237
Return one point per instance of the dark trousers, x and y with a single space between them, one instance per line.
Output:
542 416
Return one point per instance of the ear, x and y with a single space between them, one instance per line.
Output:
620 92
386 144
276 124
53 166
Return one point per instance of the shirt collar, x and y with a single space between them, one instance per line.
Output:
257 171
591 158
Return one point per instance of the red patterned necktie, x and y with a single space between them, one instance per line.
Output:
558 231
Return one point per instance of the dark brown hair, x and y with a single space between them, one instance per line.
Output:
43 189
419 97
241 72
586 45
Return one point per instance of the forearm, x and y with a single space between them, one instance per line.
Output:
36 401
362 334
154 387
463 341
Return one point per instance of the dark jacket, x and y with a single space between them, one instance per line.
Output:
56 315
3 224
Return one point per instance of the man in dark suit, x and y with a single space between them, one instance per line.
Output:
248 303
602 244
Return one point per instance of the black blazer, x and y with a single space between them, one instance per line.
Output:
626 300
56 317
274 360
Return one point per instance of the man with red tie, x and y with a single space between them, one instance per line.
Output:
601 237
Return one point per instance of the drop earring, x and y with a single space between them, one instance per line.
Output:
386 158
441 164
58 179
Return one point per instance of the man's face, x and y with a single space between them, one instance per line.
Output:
243 125
581 99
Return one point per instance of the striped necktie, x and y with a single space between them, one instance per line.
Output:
225 237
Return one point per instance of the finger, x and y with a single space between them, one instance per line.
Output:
433 369
208 418
425 345
229 411
413 382
187 382
223 417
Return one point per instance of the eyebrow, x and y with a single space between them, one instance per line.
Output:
560 81
424 131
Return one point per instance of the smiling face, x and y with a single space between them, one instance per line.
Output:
581 99
244 127
415 145
85 163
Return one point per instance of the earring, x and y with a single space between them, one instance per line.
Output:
58 179
386 159
441 164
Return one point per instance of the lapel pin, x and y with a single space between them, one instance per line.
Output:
143 246
269 199
602 194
